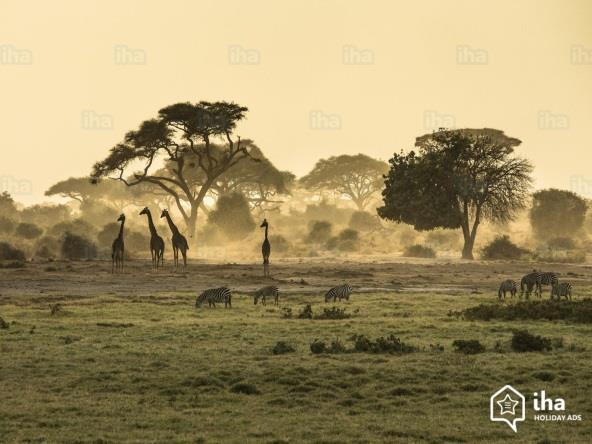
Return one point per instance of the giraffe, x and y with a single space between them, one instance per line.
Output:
179 241
156 242
117 248
265 249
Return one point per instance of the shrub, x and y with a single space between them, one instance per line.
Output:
280 243
107 234
562 257
523 341
232 216
419 251
347 240
468 347
389 344
75 247
319 232
319 347
79 227
333 313
8 252
574 311
364 221
502 248
245 388
28 231
306 312
47 247
562 243
286 313
282 347
136 241
3 324
6 225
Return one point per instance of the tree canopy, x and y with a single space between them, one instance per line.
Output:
457 179
357 177
179 130
557 213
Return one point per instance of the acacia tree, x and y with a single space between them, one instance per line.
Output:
358 178
457 179
180 131
557 213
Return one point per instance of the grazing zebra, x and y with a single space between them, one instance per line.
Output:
341 292
562 289
270 290
531 280
214 295
507 285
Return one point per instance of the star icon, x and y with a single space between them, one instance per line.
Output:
508 405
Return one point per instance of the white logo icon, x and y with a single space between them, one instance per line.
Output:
507 405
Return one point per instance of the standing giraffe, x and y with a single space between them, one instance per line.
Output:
179 241
156 242
117 248
265 249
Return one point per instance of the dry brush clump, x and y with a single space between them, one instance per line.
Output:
390 344
571 311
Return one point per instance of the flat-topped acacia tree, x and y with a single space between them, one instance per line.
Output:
182 136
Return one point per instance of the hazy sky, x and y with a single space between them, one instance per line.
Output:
319 77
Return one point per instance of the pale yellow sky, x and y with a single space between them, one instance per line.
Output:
320 78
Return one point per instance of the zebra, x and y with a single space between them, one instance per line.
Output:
341 292
507 285
549 278
531 280
561 289
214 295
262 294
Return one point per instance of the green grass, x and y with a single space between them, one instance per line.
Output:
158 370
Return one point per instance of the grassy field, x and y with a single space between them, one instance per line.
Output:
153 368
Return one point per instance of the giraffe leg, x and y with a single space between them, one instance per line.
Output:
184 253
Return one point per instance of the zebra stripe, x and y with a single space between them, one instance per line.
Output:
549 278
264 292
507 286
214 295
341 292
562 289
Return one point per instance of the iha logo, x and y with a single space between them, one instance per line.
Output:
509 405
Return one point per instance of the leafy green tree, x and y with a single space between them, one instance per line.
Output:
557 213
179 131
357 178
233 216
457 179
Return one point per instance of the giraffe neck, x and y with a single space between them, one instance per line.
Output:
121 230
172 226
151 224
266 227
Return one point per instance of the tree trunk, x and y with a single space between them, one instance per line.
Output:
467 252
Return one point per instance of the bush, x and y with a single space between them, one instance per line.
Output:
562 257
562 243
347 240
282 347
319 232
75 247
279 243
8 252
28 231
523 341
319 347
502 248
245 389
468 347
47 247
333 313
6 225
3 324
306 312
364 221
232 216
419 251
574 311
136 241
390 344
79 227
107 234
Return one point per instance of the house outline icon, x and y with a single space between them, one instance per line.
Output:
493 407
